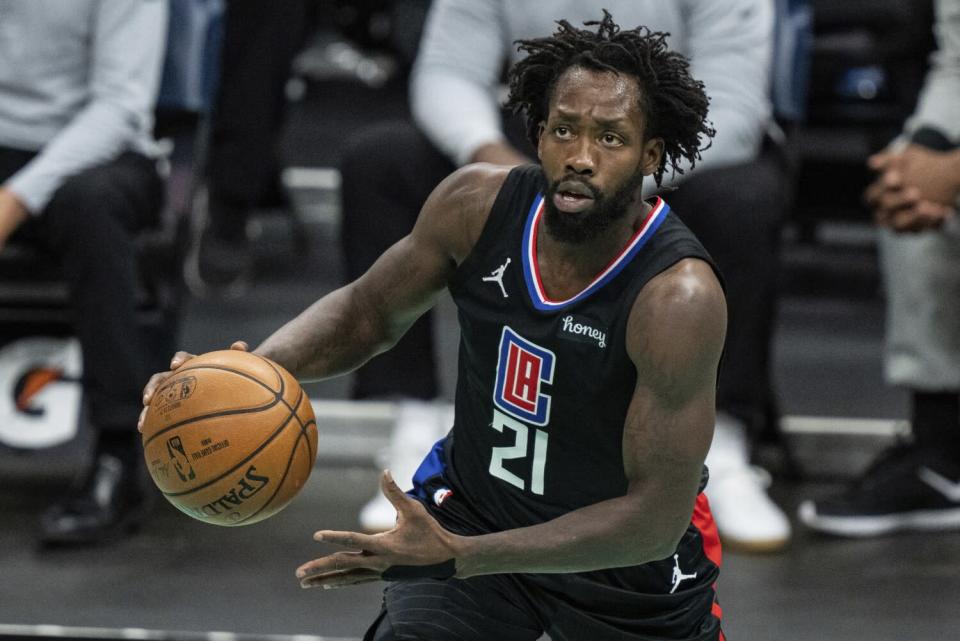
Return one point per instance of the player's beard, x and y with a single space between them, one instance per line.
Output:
584 226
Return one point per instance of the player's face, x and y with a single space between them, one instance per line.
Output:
594 152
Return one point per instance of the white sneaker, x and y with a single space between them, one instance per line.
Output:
417 426
747 519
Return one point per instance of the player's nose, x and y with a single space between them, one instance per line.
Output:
582 160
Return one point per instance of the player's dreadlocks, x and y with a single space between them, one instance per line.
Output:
673 103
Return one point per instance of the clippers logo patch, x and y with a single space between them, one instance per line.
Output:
523 368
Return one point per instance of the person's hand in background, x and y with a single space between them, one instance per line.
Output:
12 214
915 188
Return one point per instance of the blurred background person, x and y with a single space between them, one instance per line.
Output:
733 201
243 172
78 82
914 197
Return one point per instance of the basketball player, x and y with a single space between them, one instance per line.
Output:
568 497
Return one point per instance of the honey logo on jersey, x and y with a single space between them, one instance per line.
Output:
582 330
523 369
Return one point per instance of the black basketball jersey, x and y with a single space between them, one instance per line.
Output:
542 396
544 385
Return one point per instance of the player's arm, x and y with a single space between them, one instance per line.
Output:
350 325
346 328
675 336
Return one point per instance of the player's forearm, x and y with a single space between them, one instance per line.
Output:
331 337
614 533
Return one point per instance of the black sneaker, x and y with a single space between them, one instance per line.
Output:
110 503
217 266
905 489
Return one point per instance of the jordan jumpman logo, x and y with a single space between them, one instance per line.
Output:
496 276
678 574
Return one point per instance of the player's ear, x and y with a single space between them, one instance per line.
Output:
540 128
652 156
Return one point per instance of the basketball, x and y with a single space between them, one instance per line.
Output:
230 438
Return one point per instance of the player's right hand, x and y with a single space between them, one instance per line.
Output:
156 381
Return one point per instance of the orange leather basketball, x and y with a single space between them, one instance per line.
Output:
230 438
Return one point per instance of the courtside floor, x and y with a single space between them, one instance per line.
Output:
180 579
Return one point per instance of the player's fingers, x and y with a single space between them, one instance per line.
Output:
179 359
143 414
397 497
240 346
338 562
155 381
354 540
340 579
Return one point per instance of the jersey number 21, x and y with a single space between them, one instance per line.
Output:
523 370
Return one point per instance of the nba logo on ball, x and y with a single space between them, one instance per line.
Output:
179 459
239 433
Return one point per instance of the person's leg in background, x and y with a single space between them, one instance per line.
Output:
737 213
913 485
89 226
260 41
387 172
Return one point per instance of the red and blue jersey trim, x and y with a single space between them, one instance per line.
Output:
531 270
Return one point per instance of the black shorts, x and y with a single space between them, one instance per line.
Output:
506 607
623 604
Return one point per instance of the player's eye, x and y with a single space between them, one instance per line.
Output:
612 140
562 131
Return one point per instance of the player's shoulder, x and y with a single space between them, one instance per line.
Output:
688 283
462 202
683 305
473 184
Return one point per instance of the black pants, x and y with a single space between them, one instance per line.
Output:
88 228
259 42
736 212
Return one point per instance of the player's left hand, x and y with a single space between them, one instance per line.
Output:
416 540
